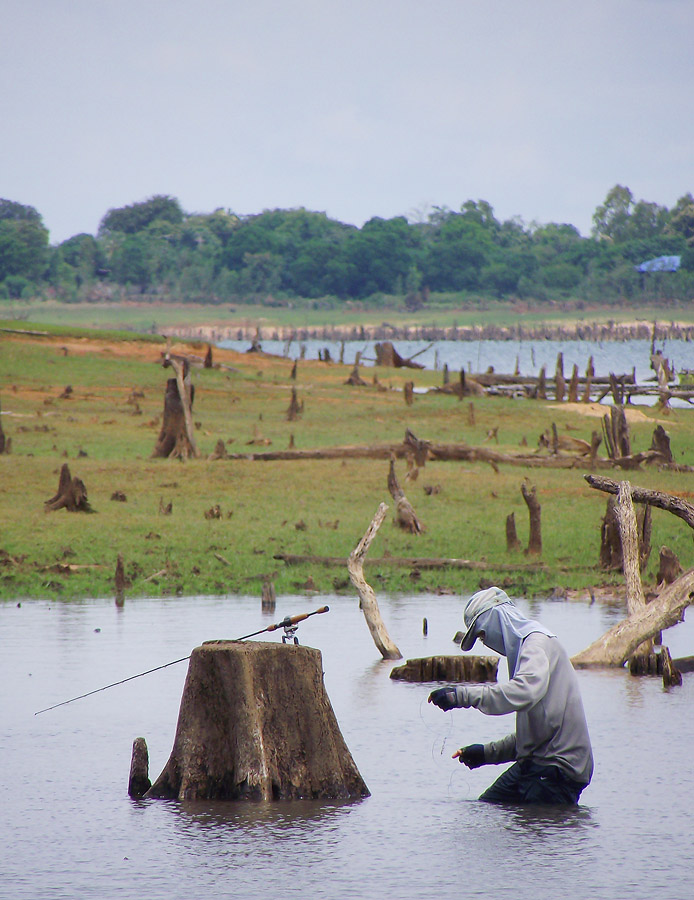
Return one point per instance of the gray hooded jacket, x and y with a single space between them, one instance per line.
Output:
551 726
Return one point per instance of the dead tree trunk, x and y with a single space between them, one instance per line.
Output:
138 782
616 432
669 568
176 439
542 385
661 444
408 392
71 494
295 408
120 581
256 723
405 516
512 542
590 373
367 598
3 440
534 513
611 555
207 363
573 385
559 381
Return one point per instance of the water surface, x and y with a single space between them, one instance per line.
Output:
69 830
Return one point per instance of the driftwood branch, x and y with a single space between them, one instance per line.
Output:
632 637
367 597
620 642
669 502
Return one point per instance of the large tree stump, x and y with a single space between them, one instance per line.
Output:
71 494
256 723
447 668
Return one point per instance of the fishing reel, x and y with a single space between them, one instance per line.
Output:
289 635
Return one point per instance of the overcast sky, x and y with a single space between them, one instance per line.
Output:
357 108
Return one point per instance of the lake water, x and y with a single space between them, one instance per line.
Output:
619 357
69 830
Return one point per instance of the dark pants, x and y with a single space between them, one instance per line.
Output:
528 782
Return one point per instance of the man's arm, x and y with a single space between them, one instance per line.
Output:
527 687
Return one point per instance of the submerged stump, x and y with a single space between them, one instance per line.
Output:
447 668
256 723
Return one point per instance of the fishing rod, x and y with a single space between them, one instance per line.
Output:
289 623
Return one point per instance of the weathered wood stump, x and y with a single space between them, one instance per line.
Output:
256 723
669 568
138 782
447 668
295 409
71 494
512 542
534 547
120 581
405 516
4 448
174 440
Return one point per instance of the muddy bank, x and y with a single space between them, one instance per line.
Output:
581 331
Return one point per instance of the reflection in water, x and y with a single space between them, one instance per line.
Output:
69 829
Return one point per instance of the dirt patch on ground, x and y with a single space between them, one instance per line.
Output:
596 410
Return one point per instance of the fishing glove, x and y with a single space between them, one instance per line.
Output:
472 756
445 698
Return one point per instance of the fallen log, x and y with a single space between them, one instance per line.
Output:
411 562
447 668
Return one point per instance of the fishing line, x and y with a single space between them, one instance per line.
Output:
440 739
440 744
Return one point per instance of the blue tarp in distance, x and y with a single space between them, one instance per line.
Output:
660 264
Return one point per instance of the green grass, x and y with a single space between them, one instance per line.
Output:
319 508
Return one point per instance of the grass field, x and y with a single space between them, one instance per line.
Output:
107 427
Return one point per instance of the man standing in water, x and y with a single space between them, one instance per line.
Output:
551 746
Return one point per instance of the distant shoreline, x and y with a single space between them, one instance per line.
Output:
580 331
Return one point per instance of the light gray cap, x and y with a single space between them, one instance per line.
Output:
480 603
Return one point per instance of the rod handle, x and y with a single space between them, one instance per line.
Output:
294 620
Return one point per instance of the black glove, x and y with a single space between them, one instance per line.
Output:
445 698
472 756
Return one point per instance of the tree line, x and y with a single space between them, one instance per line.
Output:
155 249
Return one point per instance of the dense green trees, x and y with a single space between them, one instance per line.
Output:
154 248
